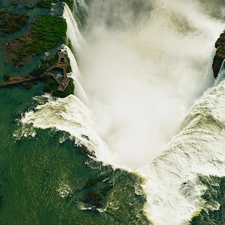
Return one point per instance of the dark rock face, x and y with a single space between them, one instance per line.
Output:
220 54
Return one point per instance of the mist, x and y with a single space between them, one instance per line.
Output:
142 68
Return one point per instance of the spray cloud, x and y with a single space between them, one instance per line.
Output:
142 67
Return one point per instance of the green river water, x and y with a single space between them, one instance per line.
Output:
33 170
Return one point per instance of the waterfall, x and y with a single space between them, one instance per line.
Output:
172 184
79 91
140 76
73 32
221 74
68 114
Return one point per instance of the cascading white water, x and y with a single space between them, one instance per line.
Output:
68 114
73 30
140 80
142 77
79 91
198 149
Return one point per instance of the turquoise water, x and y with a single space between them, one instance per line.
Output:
42 177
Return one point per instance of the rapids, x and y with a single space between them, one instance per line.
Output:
141 67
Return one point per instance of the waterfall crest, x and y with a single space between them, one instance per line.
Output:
140 77
173 186
73 32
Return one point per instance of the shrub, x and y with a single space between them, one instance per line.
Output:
52 86
11 22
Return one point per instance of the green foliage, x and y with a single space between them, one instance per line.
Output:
52 61
68 69
52 86
47 4
69 3
38 70
44 4
11 22
48 32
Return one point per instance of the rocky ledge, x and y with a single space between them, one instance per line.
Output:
220 54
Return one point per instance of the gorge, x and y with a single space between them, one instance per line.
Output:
145 103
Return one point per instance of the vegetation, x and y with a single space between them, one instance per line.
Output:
214 194
44 4
48 3
38 70
51 61
45 33
48 32
11 22
52 86
70 3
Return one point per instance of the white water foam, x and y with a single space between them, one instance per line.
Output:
140 81
79 91
199 149
72 30
68 114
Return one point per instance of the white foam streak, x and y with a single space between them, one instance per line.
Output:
71 115
72 32
79 91
172 186
139 81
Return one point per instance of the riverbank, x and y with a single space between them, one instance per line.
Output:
34 36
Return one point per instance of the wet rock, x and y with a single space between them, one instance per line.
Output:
87 151
220 54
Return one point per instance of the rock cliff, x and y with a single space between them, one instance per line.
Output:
220 54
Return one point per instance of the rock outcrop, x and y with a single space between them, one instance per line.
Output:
220 54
